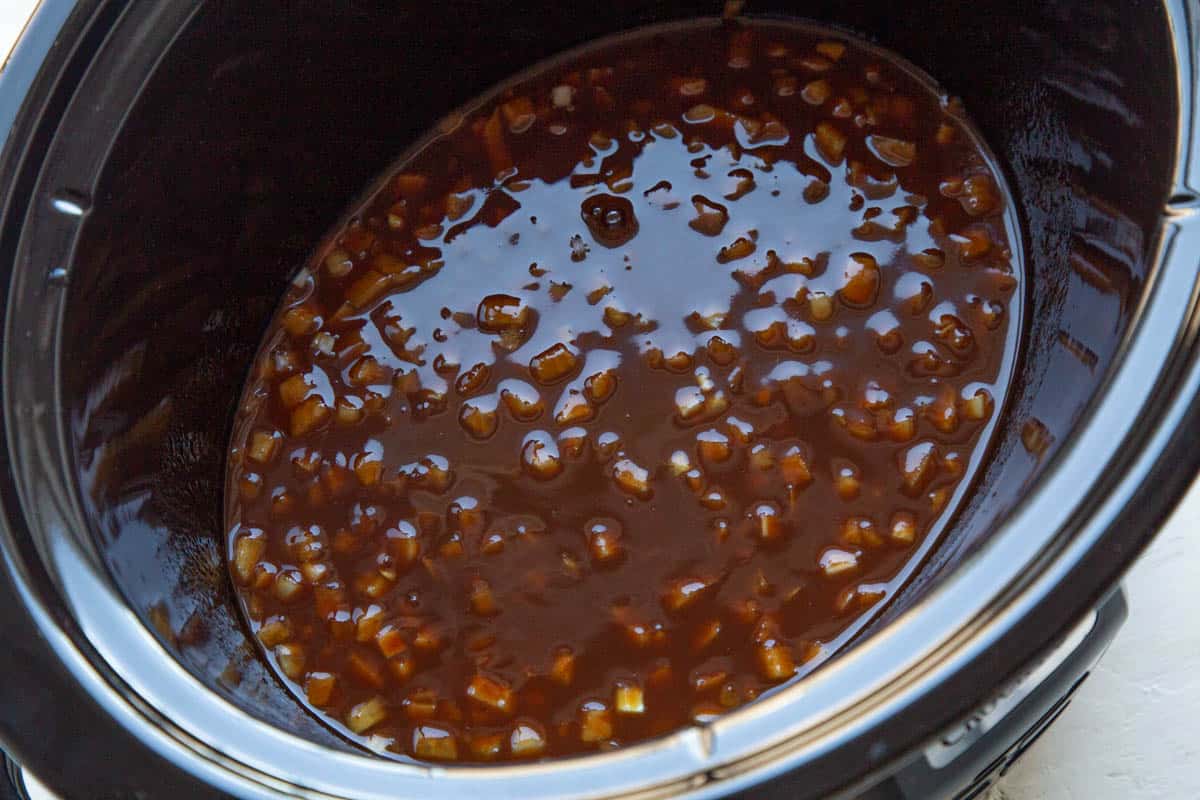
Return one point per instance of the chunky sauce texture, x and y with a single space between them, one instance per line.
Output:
629 395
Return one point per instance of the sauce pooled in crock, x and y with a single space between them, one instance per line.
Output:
628 396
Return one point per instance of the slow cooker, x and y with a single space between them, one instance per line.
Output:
168 165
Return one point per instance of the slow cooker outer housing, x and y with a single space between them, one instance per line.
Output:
169 164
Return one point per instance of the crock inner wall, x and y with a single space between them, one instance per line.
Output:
257 128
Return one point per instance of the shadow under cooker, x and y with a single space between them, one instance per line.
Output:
247 137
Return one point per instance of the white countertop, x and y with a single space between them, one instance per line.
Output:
13 14
1133 730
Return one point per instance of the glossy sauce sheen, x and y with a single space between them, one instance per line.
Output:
631 394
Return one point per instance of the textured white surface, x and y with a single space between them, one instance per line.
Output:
1133 731
13 14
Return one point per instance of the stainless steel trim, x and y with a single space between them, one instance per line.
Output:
1185 27
27 786
30 49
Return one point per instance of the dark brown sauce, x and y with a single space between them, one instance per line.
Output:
629 396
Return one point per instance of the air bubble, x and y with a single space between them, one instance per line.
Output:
610 219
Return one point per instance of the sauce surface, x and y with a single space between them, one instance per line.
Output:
631 394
